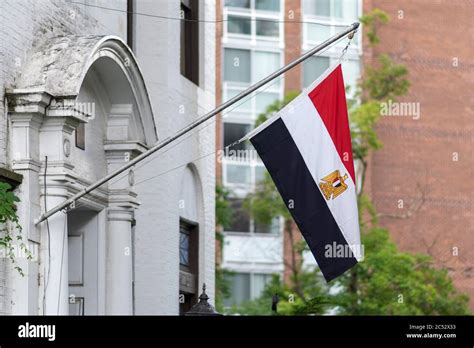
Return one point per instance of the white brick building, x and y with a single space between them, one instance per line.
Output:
73 91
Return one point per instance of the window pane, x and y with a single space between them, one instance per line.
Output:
264 64
263 100
240 217
234 132
241 105
323 8
238 3
318 32
259 173
273 227
236 65
259 281
268 28
184 249
313 68
238 25
238 174
320 8
345 9
350 72
81 136
239 289
267 5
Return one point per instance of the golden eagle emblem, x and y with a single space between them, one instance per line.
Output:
333 185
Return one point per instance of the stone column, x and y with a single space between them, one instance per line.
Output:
56 139
55 258
122 204
26 120
119 261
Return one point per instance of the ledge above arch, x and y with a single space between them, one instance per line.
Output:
59 66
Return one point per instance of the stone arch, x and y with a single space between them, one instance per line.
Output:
60 65
44 112
191 194
191 237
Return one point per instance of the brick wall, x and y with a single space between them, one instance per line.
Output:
429 37
293 40
293 82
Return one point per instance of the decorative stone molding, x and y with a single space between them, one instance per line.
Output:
12 178
60 65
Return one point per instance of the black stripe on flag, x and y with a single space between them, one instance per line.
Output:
293 180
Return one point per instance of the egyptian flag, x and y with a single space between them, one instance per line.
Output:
306 147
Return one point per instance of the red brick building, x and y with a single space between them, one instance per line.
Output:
422 179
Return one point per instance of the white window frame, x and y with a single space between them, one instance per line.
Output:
332 22
243 188
332 60
253 15
354 51
249 116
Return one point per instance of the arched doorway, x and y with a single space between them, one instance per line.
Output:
190 215
82 105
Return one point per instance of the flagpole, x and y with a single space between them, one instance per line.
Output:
352 28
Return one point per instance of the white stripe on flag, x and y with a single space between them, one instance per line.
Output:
321 157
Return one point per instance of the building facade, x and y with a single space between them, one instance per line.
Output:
429 147
87 86
256 38
411 178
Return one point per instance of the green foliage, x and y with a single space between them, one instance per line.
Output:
364 138
314 302
262 305
371 20
8 202
8 216
265 203
390 282
381 83
366 208
223 210
222 287
223 219
387 81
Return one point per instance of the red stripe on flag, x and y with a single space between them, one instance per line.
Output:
329 98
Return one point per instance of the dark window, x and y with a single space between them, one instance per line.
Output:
190 40
267 28
238 25
188 265
81 136
240 217
272 227
184 247
234 132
